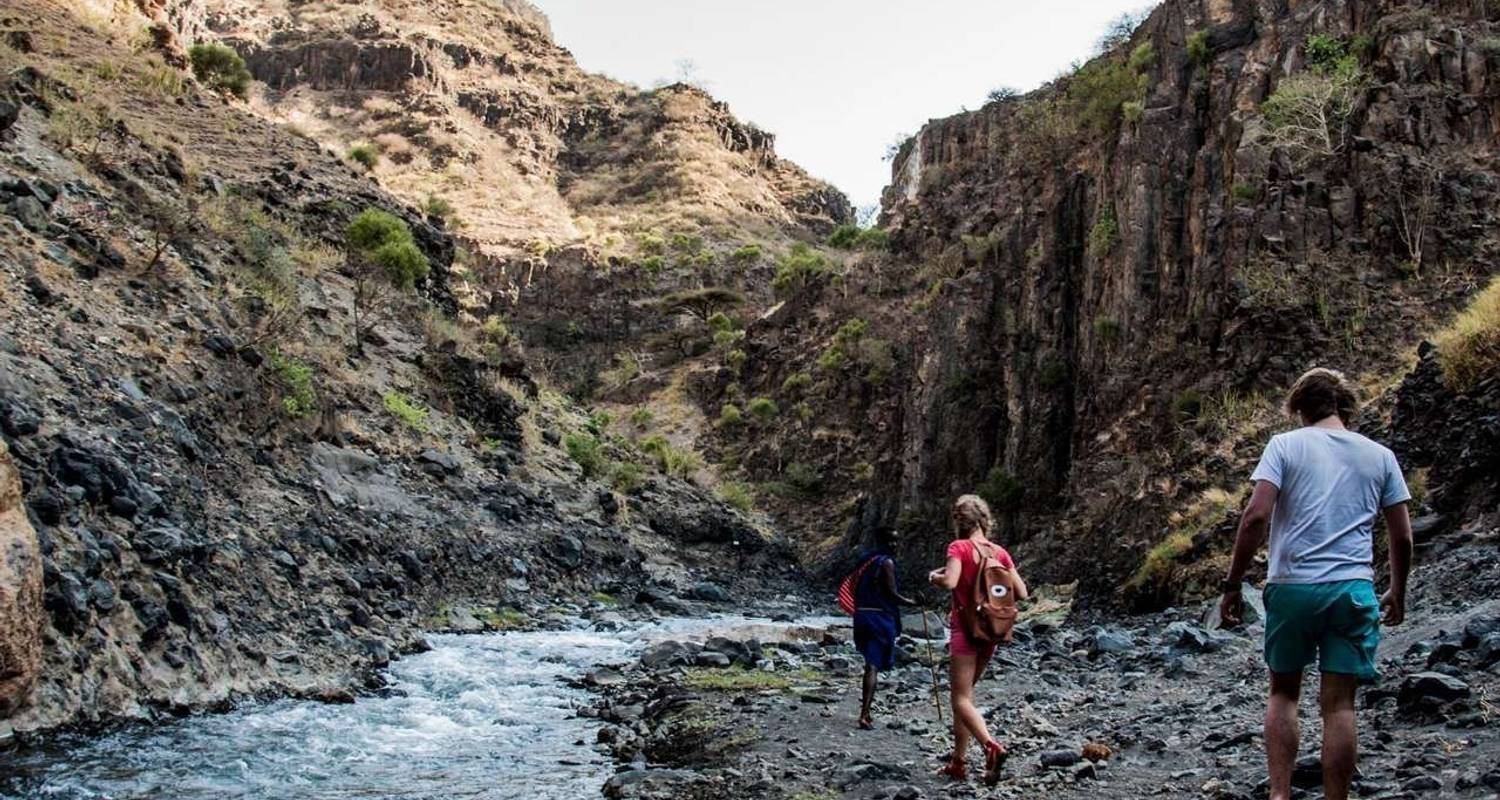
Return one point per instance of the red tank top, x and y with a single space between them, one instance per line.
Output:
963 550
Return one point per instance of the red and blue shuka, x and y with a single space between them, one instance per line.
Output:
877 618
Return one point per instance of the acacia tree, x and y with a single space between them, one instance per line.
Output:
383 260
1309 113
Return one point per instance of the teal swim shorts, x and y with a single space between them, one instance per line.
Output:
1338 623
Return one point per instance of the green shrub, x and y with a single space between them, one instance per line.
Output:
220 68
365 155
626 477
804 411
852 330
679 462
1363 47
1324 51
796 383
872 239
1197 48
1245 192
764 409
878 358
687 244
720 321
798 268
642 417
863 471
439 207
1108 329
1187 405
727 338
585 451
736 495
493 330
729 414
844 236
300 399
746 254
1133 111
1143 57
627 367
803 478
651 243
410 413
833 359
1104 234
736 360
653 264
1001 490
1100 88
1469 349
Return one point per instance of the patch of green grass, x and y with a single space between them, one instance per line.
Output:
1469 348
730 414
604 599
411 414
740 679
365 155
626 477
501 619
1001 490
736 495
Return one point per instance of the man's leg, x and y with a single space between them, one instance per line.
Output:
868 688
1281 732
1340 739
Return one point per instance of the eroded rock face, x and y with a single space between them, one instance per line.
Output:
20 592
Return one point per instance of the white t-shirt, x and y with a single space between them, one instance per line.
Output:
1332 484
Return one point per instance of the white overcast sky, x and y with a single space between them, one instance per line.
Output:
836 80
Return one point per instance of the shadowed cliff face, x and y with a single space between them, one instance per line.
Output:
1097 292
1100 278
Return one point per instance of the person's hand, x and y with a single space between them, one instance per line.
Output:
1232 609
1394 607
935 577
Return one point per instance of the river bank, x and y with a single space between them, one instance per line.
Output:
1165 707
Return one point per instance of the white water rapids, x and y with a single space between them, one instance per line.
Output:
485 716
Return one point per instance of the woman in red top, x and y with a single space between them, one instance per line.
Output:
971 526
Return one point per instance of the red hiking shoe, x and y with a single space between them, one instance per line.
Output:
994 762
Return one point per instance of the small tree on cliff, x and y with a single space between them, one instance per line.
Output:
1309 113
383 260
220 68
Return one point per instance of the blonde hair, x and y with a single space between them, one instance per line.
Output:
970 512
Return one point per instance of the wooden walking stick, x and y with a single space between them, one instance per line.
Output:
932 666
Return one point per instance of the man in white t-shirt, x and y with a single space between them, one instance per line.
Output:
1320 488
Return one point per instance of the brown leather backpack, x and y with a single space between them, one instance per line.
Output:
990 616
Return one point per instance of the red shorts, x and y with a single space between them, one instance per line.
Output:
959 644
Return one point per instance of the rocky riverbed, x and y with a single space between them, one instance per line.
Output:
1158 706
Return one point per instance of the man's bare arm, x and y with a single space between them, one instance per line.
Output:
1398 527
1254 523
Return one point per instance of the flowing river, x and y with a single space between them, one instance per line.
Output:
484 716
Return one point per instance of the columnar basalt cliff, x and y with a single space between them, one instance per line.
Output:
1106 282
